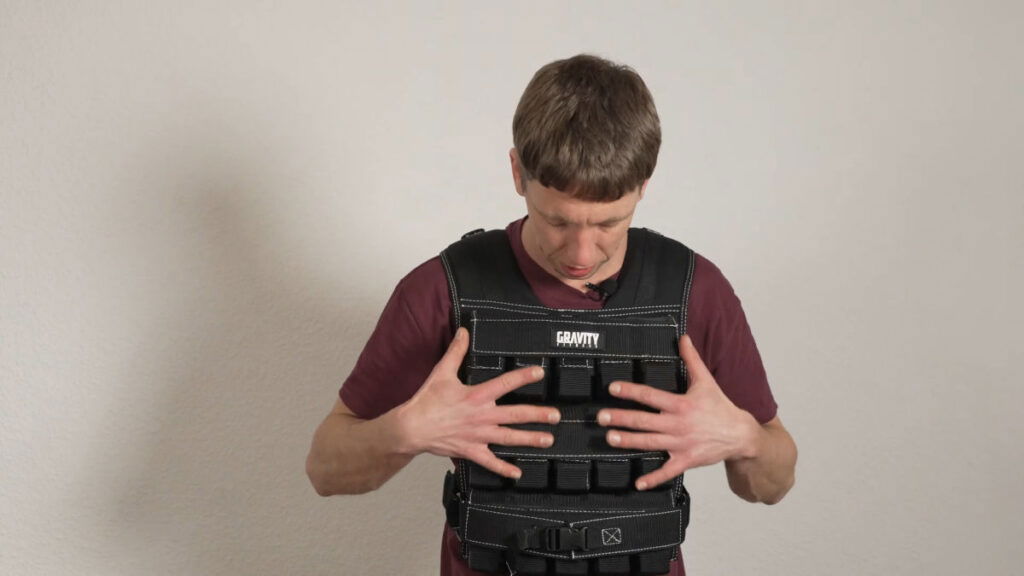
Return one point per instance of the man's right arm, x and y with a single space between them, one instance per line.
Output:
350 455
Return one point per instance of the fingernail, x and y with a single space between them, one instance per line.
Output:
547 441
614 438
458 334
603 417
554 417
537 372
614 388
641 485
516 475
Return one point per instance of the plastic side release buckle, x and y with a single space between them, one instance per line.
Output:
553 539
565 539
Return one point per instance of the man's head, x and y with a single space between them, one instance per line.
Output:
586 139
587 127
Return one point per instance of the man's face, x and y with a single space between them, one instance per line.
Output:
575 240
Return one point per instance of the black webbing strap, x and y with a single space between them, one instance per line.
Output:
521 336
536 533
655 271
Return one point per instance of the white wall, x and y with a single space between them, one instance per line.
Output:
204 205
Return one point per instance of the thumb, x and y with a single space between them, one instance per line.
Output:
694 365
452 359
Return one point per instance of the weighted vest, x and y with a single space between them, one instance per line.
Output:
574 510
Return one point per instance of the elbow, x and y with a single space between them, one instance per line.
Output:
769 498
327 481
780 491
322 490
769 492
317 478
775 497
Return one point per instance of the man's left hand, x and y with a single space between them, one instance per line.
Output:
698 428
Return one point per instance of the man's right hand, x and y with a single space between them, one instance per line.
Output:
447 418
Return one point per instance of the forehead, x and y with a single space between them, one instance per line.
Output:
554 204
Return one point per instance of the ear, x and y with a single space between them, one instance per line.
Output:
517 171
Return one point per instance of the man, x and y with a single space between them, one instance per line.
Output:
586 137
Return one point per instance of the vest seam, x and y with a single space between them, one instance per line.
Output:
453 291
470 303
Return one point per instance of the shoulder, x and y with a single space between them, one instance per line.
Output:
428 275
712 302
709 283
411 335
720 332
422 294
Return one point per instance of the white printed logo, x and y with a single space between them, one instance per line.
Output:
574 339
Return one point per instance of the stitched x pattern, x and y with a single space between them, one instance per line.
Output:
611 536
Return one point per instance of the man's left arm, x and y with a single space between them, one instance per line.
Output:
700 428
768 474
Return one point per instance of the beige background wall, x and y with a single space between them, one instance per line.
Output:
204 206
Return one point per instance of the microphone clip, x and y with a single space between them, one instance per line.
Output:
604 289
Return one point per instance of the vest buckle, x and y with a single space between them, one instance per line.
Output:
563 539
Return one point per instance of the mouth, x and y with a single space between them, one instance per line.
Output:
577 271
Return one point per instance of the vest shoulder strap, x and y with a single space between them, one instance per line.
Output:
657 271
482 266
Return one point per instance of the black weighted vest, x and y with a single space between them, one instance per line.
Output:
575 510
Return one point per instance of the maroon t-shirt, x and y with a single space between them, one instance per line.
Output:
416 326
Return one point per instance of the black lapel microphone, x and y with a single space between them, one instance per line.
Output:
604 289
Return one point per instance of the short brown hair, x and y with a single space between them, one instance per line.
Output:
588 127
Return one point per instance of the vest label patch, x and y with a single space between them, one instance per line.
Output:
611 536
580 339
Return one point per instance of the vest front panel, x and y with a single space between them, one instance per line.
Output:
575 509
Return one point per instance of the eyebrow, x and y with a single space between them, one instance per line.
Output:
555 219
612 220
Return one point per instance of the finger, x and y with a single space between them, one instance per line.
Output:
658 399
452 359
500 385
635 419
487 459
511 437
694 365
668 471
646 441
525 413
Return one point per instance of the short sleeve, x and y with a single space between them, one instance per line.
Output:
412 334
723 338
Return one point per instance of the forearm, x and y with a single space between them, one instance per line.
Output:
767 474
353 456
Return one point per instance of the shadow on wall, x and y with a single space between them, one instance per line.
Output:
244 359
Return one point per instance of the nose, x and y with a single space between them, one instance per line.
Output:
581 248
